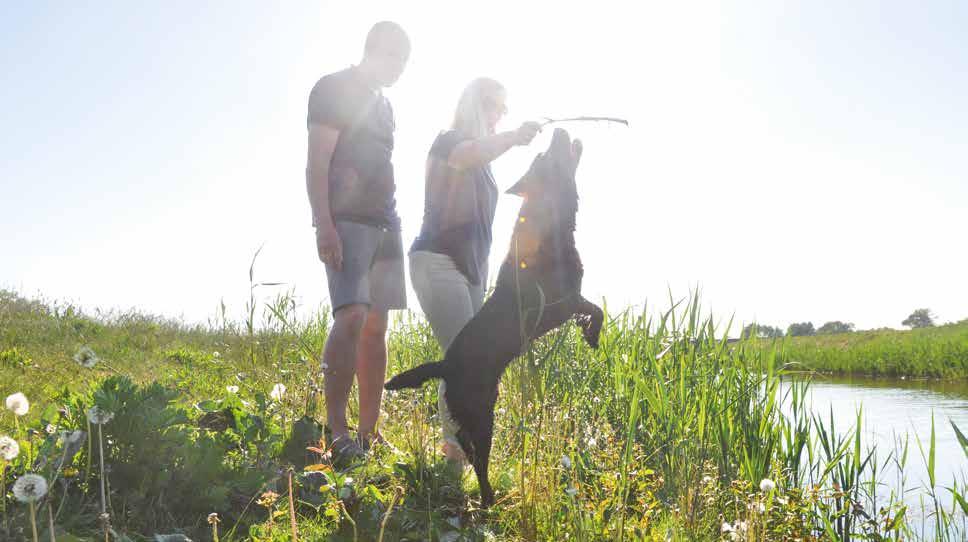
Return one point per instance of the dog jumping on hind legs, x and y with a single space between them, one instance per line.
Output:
538 289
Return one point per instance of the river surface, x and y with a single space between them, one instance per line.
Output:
893 408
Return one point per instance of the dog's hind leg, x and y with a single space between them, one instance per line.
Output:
481 438
589 317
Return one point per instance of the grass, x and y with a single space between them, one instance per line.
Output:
934 352
667 432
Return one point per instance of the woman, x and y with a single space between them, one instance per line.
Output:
448 260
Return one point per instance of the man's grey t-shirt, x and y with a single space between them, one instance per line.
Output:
361 184
459 210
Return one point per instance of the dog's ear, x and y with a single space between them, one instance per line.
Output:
576 150
520 188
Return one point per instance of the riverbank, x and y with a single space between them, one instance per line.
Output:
939 352
666 432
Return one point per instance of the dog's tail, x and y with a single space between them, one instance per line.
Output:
417 376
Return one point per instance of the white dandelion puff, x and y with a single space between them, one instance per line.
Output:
18 404
30 488
278 392
98 415
726 528
571 492
232 389
565 462
85 357
767 485
72 437
9 448
216 354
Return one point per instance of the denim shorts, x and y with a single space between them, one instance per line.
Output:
373 270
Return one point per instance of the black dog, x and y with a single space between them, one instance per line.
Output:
538 289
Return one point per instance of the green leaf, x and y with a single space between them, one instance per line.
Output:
961 437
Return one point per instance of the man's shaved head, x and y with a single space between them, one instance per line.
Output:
386 53
387 36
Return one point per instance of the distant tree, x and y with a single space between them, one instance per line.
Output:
762 331
835 327
801 329
919 318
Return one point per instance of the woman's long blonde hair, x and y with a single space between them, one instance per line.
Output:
469 119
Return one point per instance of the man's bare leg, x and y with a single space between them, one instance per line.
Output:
339 364
371 370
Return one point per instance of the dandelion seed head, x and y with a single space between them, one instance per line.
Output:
232 389
17 403
72 437
30 488
9 448
85 357
767 485
99 416
278 392
726 528
565 462
213 518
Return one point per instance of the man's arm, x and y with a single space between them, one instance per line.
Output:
478 152
322 143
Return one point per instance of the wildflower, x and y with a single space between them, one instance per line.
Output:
278 391
726 528
30 488
232 389
565 462
18 404
741 526
706 479
216 354
50 429
213 518
761 508
9 448
592 442
98 415
767 485
268 498
85 357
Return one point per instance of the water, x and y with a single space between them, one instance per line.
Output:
893 408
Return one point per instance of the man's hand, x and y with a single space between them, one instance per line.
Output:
328 245
526 133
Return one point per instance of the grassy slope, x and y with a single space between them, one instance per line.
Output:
938 352
665 430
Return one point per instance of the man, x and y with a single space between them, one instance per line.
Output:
349 179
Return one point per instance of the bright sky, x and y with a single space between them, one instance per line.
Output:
796 160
